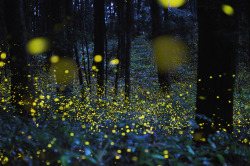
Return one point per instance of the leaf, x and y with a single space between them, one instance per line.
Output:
190 150
157 156
211 143
64 160
193 124
92 160
221 159
87 151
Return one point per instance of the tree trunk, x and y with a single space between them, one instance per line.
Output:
129 7
22 90
163 76
80 73
4 72
99 27
193 8
247 12
69 29
122 36
121 43
216 67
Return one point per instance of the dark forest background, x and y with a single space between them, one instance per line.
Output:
115 82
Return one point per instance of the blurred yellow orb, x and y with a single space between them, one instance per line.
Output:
98 58
172 3
197 136
37 45
114 62
168 52
65 70
93 68
3 55
228 10
54 59
2 63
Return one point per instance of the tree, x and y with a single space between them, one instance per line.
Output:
247 12
163 76
193 9
22 90
3 43
216 67
129 7
121 43
99 33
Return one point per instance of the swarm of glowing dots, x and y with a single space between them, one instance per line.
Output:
54 59
3 55
172 3
65 70
114 62
228 10
37 45
98 58
168 52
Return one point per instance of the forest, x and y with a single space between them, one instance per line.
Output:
124 82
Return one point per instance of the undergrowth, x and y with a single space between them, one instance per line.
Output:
150 130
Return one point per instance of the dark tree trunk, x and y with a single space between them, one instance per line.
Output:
99 32
247 12
80 73
129 7
156 19
118 30
165 19
83 27
69 29
22 90
58 27
28 16
47 26
121 43
122 36
3 44
163 76
216 67
193 9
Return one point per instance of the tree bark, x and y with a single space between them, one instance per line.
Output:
129 7
22 90
247 13
163 76
99 32
216 67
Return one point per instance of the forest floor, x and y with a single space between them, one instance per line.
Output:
150 130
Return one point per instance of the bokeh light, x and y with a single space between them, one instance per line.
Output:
3 55
172 3
227 9
54 59
168 52
65 70
98 58
93 68
2 63
114 62
38 45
